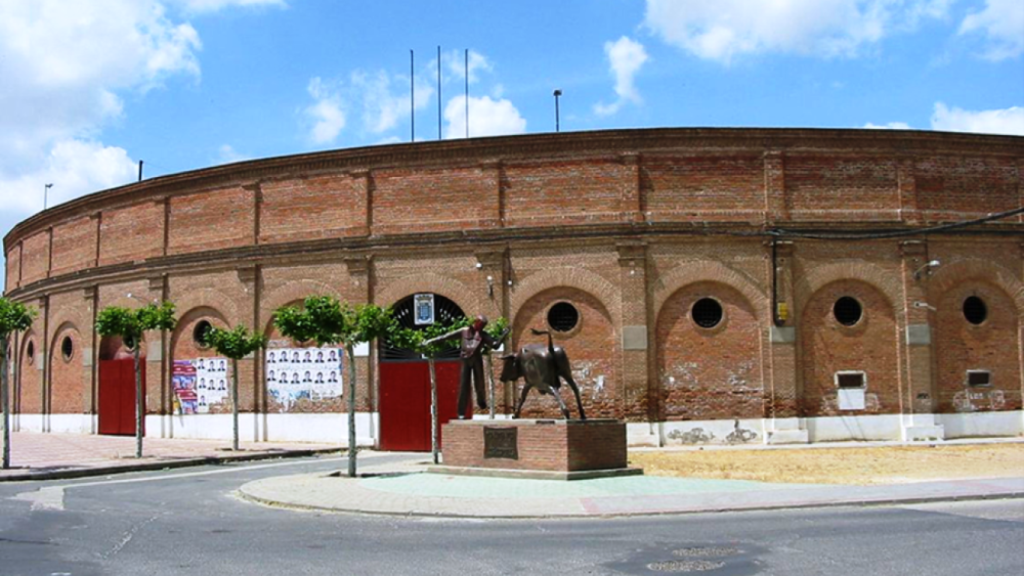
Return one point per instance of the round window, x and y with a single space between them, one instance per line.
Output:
563 317
707 313
975 310
67 348
200 332
847 311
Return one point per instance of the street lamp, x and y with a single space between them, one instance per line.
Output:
46 193
557 94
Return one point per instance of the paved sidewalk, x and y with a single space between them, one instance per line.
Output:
36 456
404 489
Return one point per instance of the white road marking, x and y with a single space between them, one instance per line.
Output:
52 497
48 498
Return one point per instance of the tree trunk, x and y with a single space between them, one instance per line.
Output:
4 402
490 382
234 403
351 411
435 448
138 401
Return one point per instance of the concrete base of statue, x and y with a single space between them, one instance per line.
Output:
542 449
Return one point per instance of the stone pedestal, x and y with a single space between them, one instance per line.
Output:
553 449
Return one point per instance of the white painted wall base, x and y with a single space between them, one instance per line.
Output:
979 424
886 427
322 428
712 432
645 433
922 427
29 423
71 423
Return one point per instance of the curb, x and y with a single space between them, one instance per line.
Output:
583 516
72 473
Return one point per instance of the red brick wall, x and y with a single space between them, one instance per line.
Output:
29 399
131 233
422 200
703 188
828 346
591 347
211 220
993 345
35 257
67 375
949 186
709 373
13 267
325 206
74 246
566 192
837 188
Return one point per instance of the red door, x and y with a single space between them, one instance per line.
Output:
117 396
405 402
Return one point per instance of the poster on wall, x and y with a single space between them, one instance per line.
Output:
294 374
200 383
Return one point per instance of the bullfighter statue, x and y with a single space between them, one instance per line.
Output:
473 339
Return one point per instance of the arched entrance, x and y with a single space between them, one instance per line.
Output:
405 383
117 388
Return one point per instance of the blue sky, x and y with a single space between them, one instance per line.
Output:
90 87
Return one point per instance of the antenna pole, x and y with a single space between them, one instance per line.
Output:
438 92
412 95
467 92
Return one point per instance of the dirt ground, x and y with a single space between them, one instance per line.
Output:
870 465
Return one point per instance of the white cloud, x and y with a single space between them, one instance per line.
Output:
227 154
201 6
889 126
625 58
454 61
382 97
64 68
1004 121
326 112
726 29
1002 24
487 117
74 167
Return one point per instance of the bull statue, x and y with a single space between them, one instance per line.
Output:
542 367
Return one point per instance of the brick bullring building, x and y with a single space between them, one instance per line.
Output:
709 285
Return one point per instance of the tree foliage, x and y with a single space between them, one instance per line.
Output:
14 317
417 340
234 344
131 324
328 322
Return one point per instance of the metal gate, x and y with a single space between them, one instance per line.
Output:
405 403
405 384
117 397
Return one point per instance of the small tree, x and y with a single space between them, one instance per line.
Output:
130 326
14 317
235 344
328 322
419 341
498 330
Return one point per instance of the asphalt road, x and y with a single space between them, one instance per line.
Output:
190 522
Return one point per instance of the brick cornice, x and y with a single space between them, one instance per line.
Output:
609 144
